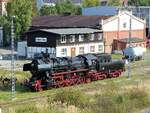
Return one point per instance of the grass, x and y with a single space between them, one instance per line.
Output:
117 56
74 100
116 92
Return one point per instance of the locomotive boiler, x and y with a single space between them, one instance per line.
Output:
66 71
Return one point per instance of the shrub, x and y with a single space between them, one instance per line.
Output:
72 97
26 109
139 98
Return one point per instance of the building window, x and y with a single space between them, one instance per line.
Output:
72 38
124 25
81 38
99 36
64 51
63 39
81 50
92 49
91 37
100 48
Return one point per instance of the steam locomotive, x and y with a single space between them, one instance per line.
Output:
66 71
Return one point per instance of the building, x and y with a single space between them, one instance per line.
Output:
142 12
105 2
40 3
74 35
119 28
100 11
65 35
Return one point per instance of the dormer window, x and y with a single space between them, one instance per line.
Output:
72 38
81 38
63 39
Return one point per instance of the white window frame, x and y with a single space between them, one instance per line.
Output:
100 36
91 37
81 38
92 49
100 48
63 39
72 38
64 51
81 50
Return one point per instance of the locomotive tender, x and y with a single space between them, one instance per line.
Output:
66 71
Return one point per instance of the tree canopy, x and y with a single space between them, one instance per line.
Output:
61 7
139 2
90 3
114 3
48 10
35 11
22 10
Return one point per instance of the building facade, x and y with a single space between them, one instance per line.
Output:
74 35
65 42
122 26
64 35
72 45
142 12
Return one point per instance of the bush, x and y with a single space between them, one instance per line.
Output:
120 103
139 98
72 97
27 109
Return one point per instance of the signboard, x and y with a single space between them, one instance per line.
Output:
40 39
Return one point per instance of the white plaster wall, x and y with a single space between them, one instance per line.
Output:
112 24
77 46
135 24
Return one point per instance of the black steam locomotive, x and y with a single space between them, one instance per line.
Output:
66 71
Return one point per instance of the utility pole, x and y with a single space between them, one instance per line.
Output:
129 44
12 60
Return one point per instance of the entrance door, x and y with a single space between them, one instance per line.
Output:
73 51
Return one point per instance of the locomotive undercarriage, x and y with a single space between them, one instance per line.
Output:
64 79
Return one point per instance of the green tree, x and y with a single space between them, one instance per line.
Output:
90 3
114 3
48 10
67 6
35 11
22 10
139 2
5 23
